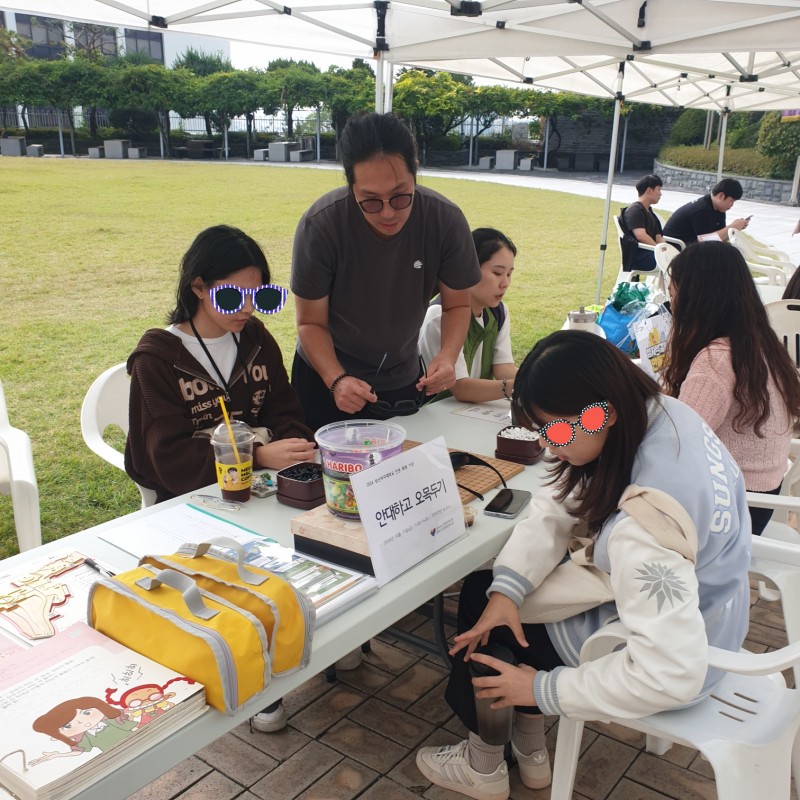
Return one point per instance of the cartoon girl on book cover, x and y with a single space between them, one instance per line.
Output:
144 703
83 724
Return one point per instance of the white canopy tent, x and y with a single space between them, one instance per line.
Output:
723 55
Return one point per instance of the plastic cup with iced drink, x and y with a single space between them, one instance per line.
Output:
234 459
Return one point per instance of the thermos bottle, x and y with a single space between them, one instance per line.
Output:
494 724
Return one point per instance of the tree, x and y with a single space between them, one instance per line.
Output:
231 94
202 65
781 141
154 88
432 103
295 84
98 45
347 91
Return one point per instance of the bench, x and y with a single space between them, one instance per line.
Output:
35 150
180 152
202 148
486 162
97 152
506 159
117 148
262 154
301 155
527 164
137 152
12 146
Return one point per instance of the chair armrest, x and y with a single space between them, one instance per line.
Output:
679 243
777 502
644 246
20 454
746 663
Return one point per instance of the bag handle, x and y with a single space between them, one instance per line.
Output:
185 585
245 575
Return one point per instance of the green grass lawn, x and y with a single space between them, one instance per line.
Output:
89 254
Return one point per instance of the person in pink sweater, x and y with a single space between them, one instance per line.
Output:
726 362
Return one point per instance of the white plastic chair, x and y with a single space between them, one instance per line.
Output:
18 479
105 404
745 728
784 316
758 253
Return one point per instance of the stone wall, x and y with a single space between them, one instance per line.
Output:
764 189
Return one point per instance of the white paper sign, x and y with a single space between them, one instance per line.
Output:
409 507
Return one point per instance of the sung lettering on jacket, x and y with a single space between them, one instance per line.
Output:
721 518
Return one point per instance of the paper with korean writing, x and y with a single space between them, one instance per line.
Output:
410 508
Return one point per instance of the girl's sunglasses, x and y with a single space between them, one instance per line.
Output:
561 432
229 299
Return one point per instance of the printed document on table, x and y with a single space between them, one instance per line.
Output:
485 411
167 530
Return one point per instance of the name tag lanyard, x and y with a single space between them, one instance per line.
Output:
223 382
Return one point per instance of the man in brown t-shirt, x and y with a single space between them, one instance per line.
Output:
367 260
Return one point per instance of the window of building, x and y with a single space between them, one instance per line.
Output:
2 19
47 36
95 39
149 42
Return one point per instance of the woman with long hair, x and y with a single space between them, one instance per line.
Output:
726 362
677 579
215 347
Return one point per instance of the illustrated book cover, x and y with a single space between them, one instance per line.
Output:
82 705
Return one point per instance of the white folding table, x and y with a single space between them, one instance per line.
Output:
345 632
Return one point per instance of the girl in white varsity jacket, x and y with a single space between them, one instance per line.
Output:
677 585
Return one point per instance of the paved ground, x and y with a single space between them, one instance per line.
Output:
357 738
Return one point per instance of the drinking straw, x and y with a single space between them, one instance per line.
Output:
230 429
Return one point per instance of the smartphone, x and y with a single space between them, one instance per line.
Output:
508 503
747 219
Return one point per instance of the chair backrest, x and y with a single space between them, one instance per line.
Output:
106 404
757 253
784 316
18 479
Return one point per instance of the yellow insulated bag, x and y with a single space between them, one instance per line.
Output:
165 616
287 615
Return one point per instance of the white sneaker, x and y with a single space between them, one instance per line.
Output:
270 721
534 770
449 768
352 660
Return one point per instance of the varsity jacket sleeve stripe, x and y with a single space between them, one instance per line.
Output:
537 545
665 662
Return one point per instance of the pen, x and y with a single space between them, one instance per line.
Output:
90 562
217 502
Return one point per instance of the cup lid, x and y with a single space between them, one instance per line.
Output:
242 433
582 315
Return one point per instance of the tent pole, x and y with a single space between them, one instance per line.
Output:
379 83
546 140
389 92
624 145
612 163
319 128
60 134
723 129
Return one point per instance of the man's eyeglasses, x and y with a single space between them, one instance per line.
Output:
398 202
459 459
561 432
229 299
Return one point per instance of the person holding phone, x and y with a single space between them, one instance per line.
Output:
707 215
678 585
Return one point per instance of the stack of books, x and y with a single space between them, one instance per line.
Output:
79 705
